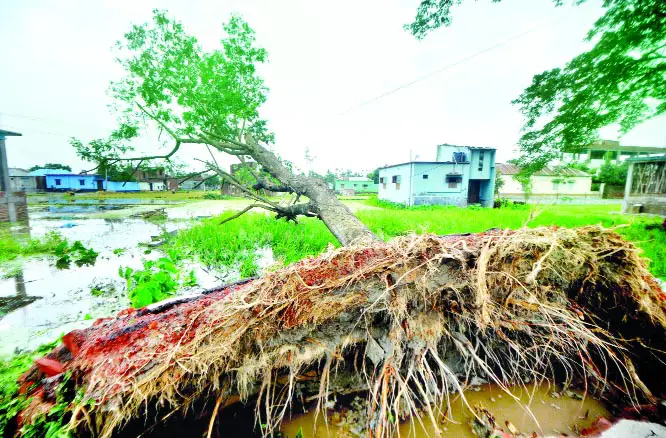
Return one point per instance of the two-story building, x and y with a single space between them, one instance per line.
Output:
600 152
461 175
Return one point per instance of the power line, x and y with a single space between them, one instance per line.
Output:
446 67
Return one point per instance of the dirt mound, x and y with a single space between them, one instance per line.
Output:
409 321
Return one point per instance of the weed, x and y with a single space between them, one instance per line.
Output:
76 253
12 247
159 279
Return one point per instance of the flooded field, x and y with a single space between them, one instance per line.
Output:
543 410
41 301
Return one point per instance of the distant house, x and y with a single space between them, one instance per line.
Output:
121 186
154 180
21 180
645 191
461 175
598 153
549 182
152 186
64 182
355 184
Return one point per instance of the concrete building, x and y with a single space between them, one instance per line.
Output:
22 181
602 151
121 186
13 205
355 184
65 182
461 175
549 183
152 186
645 191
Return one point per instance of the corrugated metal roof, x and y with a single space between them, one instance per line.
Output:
512 169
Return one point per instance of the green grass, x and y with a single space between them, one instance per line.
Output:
233 243
12 246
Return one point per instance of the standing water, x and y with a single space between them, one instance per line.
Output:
541 409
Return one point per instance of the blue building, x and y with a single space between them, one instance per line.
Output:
461 175
73 182
56 181
120 186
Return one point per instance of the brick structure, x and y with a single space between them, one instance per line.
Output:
13 206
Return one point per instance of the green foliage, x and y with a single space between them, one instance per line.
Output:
374 176
214 196
51 166
499 183
12 247
10 371
234 243
159 279
581 166
175 85
613 174
76 252
620 81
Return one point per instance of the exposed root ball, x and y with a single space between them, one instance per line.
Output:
409 321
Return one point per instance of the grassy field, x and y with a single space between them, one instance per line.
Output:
233 243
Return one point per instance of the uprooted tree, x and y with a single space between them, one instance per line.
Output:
211 100
620 81
410 323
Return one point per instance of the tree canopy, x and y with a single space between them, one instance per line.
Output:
210 99
620 81
51 166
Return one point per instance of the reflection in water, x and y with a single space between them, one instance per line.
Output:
542 409
21 299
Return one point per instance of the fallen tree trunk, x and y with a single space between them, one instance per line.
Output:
408 321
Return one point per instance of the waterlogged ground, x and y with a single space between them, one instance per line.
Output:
44 302
544 410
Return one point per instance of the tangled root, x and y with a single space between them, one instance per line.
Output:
409 322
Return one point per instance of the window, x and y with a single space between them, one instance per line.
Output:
342 186
355 185
556 185
82 182
597 155
365 186
396 179
453 184
58 181
425 176
481 152
382 180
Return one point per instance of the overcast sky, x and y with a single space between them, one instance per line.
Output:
326 60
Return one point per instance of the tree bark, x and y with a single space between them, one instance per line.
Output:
342 223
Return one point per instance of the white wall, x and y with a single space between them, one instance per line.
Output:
392 192
414 189
544 185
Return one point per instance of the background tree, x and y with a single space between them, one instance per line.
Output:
620 81
210 100
374 176
51 166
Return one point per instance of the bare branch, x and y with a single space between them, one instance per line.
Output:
245 210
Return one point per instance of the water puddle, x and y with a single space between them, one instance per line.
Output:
543 410
39 302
